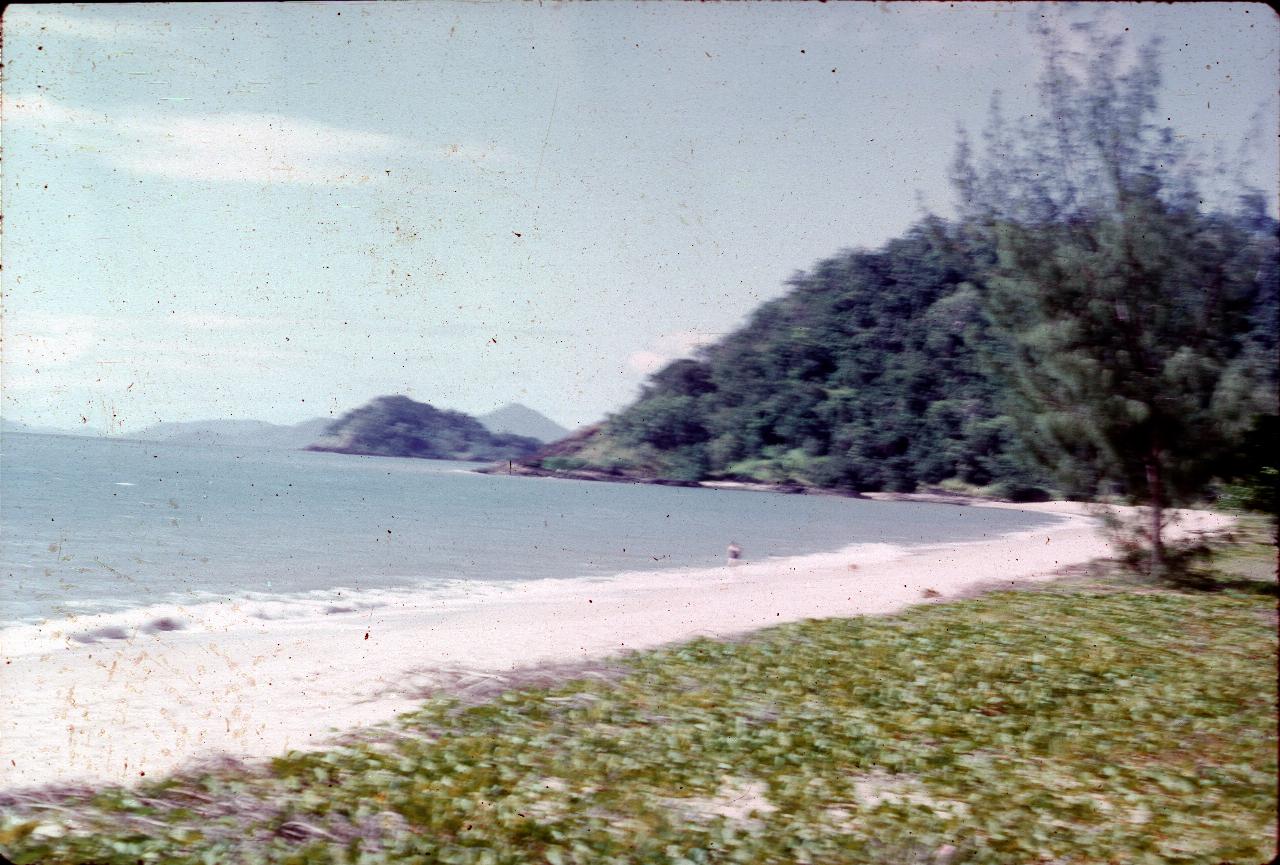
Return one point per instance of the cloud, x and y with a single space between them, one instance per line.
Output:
41 347
666 348
48 341
255 148
36 110
231 147
475 154
34 21
112 371
215 321
646 362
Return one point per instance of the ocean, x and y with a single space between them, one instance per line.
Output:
109 534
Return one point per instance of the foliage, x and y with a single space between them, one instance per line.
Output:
397 426
1072 725
865 375
1255 474
1135 356
1086 323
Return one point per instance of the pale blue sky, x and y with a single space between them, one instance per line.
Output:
281 211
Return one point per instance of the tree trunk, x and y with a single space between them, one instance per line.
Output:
1155 490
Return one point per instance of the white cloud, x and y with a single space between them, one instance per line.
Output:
48 341
41 348
43 356
33 109
35 21
239 147
666 348
216 321
257 148
646 362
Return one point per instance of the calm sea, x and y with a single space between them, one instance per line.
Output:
97 526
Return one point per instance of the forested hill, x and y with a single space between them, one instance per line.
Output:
876 371
400 427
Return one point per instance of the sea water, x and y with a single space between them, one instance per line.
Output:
92 528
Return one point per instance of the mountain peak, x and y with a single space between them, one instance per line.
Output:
517 419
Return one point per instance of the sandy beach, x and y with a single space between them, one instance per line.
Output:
121 710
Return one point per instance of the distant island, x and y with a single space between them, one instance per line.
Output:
396 426
517 419
387 426
219 432
237 433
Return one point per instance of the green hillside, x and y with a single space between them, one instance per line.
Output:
877 370
396 426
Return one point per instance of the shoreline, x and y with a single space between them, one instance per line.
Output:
124 711
933 495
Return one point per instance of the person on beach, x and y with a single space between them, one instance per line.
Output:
735 552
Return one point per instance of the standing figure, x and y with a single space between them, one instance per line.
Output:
735 552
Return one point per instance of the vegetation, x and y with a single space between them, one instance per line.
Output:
1083 723
396 426
868 374
914 364
1088 323
1255 475
1129 311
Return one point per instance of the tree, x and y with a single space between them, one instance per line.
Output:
1121 303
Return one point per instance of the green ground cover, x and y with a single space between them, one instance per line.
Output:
1090 721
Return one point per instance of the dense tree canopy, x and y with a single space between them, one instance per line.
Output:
866 375
1087 323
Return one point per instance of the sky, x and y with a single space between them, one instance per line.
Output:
280 211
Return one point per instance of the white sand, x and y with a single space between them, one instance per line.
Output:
114 710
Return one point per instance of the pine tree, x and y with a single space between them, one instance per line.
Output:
1121 303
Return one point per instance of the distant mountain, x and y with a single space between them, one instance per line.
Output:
397 426
516 419
237 433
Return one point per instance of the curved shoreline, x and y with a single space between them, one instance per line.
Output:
109 712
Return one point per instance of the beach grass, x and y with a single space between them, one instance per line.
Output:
1093 720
